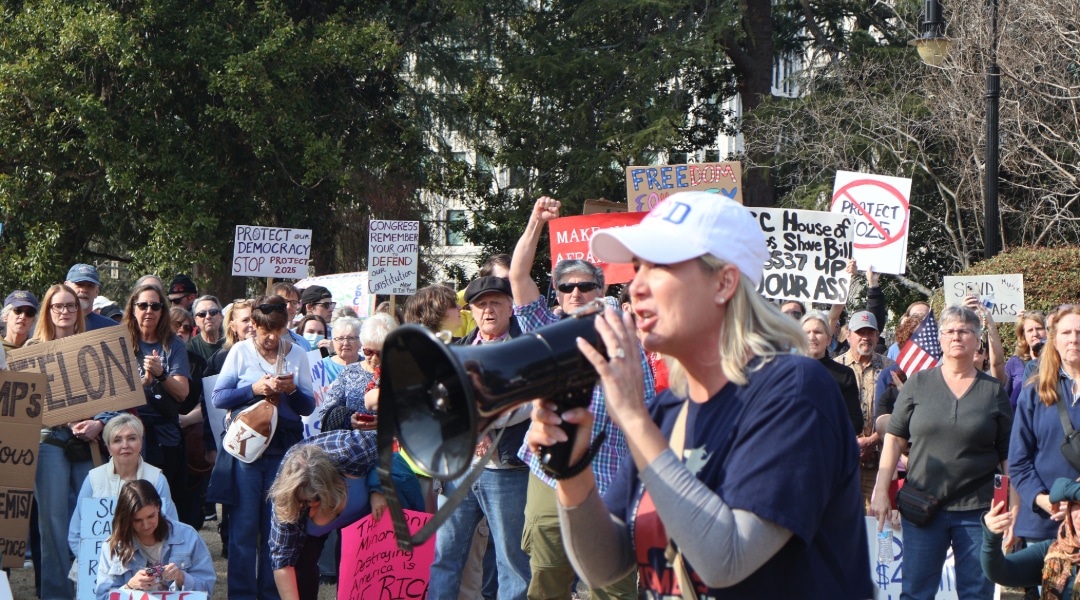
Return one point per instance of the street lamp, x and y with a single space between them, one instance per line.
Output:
932 46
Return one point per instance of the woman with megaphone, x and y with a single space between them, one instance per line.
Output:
743 480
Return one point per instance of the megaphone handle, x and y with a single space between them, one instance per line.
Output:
555 459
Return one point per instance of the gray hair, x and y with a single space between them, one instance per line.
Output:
375 329
206 298
121 421
962 314
816 315
146 279
575 265
343 323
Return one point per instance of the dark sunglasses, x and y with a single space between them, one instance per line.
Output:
177 300
182 327
369 352
213 312
270 308
154 306
25 310
584 286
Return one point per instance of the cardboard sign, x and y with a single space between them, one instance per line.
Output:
139 595
808 255
14 525
348 289
648 186
373 568
271 252
888 578
95 526
602 206
86 374
1002 295
570 240
879 206
393 248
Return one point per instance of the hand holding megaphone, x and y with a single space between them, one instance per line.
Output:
547 429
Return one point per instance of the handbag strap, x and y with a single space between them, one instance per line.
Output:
1063 412
677 443
967 488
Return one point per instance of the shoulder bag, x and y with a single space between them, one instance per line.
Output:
1070 446
918 507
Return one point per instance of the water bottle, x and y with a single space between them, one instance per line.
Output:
884 547
988 302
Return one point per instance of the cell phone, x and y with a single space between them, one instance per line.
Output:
1001 490
285 376
324 351
971 290
365 418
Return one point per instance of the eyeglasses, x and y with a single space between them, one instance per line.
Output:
63 308
177 300
794 314
213 312
956 332
369 352
327 305
182 327
352 339
25 311
154 306
292 303
267 309
584 286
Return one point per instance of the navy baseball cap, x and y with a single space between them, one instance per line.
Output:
21 298
81 273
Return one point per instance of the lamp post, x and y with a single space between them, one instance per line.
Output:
933 46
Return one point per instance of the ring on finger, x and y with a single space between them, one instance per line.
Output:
619 353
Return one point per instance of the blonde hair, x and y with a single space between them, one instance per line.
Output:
752 327
1050 360
230 335
309 471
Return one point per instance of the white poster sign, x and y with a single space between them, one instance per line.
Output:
320 384
879 206
393 250
95 526
348 289
215 415
1002 295
888 578
271 252
808 255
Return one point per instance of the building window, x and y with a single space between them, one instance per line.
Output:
455 228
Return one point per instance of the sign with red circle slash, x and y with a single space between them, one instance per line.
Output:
879 207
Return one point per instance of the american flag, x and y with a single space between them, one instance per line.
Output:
923 350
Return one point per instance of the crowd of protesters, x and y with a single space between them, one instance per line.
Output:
704 427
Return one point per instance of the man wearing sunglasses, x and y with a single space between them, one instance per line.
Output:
85 281
317 300
208 319
499 493
576 282
182 292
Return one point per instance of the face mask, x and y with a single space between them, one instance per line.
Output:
314 338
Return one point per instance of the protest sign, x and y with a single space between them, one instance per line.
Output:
214 415
648 186
602 206
393 248
271 252
570 240
888 578
95 526
347 289
140 595
87 374
21 404
879 206
373 568
808 255
320 384
5 587
1002 295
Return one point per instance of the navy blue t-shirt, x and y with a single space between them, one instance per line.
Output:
781 447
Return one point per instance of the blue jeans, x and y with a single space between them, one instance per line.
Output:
499 494
56 487
250 575
924 555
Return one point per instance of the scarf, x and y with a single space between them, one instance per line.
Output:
1062 555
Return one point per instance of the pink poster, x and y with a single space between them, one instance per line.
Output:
372 566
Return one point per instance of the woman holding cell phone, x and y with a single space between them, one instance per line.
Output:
149 551
266 366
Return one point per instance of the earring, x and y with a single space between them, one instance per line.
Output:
722 301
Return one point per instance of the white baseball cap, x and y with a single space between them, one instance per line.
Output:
688 225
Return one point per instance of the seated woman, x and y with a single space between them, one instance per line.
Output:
124 435
1049 563
149 551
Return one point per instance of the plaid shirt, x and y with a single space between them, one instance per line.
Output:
355 453
612 452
